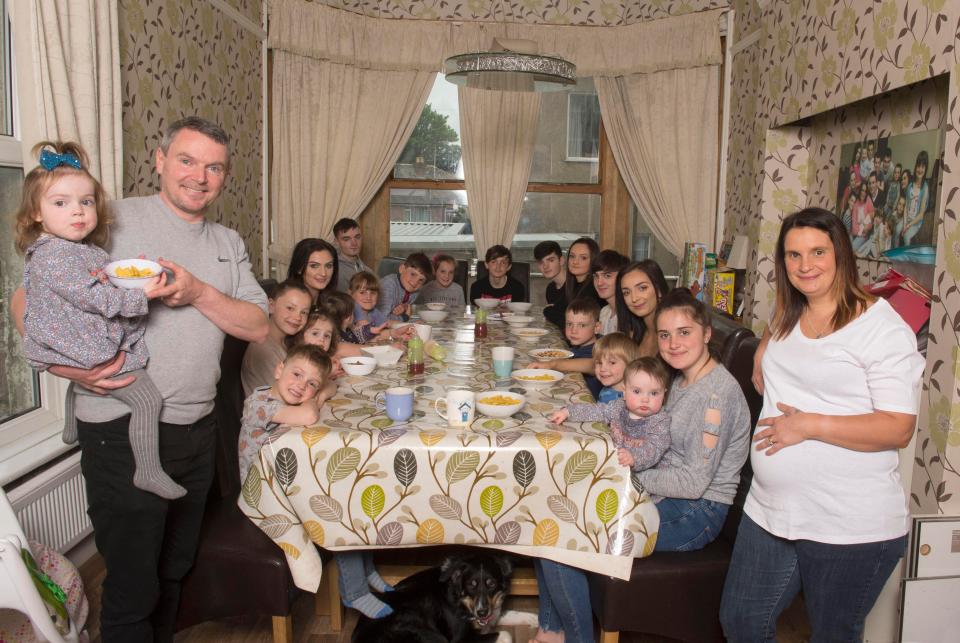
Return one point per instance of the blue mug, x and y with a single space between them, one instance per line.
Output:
397 401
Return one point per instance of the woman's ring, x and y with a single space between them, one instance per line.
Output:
771 440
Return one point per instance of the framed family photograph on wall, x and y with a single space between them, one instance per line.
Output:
887 193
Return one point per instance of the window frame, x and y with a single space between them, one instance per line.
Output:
30 439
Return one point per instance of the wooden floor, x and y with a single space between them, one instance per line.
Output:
310 628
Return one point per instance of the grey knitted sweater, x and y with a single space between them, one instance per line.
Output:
689 469
73 315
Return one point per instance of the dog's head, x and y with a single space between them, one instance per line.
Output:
477 584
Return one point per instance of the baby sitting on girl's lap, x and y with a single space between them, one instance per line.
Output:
640 430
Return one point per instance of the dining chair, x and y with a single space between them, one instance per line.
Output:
238 569
18 590
389 266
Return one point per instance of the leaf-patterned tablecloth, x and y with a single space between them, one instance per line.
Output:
359 480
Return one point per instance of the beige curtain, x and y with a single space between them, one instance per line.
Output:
499 129
338 130
663 131
68 79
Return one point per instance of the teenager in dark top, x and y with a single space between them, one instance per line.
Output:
582 260
497 283
549 255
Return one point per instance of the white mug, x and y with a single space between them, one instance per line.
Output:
460 407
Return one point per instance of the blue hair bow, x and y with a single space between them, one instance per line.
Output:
50 160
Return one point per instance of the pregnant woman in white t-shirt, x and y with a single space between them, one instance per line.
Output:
826 512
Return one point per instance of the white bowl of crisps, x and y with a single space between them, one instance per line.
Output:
436 305
132 273
499 404
489 303
359 365
433 316
384 355
519 306
536 376
518 321
528 334
547 354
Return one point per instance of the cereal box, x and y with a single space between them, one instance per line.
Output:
720 285
694 272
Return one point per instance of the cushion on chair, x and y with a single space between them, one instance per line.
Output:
674 594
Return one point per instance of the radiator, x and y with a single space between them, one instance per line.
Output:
52 505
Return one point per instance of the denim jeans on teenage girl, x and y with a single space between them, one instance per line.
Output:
840 584
564 601
688 525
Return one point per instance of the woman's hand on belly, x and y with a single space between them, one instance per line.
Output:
784 430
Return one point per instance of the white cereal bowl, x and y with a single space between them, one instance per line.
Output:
519 306
433 316
360 365
536 376
488 303
436 305
518 321
528 334
385 355
132 282
499 410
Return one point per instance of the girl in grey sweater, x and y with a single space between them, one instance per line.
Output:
694 483
74 316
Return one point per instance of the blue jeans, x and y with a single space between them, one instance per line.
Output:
564 601
688 525
840 584
354 567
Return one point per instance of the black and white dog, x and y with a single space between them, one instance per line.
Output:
460 601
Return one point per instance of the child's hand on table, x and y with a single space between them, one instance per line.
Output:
559 417
624 457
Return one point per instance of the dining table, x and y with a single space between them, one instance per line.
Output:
359 480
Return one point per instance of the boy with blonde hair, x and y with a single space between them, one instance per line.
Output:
611 354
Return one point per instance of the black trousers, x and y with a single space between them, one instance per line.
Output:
147 542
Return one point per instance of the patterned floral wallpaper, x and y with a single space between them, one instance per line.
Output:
574 12
849 56
185 57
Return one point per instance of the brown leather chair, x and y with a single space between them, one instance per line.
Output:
238 569
677 594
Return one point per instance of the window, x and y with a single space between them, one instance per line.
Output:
583 126
31 405
645 246
430 221
560 130
433 151
563 195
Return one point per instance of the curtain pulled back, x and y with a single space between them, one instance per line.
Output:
68 77
499 129
338 131
663 131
